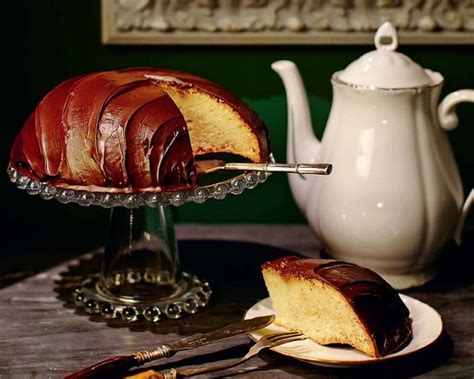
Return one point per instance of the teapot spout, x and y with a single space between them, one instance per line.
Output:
465 210
302 144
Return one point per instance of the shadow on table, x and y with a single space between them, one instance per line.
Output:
232 268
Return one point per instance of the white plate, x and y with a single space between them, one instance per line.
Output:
426 323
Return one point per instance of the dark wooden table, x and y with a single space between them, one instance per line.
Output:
43 335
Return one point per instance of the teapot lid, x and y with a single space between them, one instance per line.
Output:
384 67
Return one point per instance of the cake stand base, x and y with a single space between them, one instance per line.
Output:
188 297
141 277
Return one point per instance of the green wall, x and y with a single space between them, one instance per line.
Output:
53 40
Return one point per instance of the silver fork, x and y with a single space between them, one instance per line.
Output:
265 342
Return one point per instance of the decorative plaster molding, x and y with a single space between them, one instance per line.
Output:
284 21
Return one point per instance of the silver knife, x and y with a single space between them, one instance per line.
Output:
121 364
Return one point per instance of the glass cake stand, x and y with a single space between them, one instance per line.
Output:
141 277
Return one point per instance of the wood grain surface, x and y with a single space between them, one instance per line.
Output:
44 336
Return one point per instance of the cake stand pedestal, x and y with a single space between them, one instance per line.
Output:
141 278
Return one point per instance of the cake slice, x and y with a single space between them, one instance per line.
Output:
335 302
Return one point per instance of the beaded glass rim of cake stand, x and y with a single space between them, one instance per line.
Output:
219 191
191 301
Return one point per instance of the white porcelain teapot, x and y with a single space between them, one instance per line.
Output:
395 195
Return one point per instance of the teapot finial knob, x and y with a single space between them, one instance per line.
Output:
386 37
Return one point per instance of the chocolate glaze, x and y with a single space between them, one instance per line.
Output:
167 165
94 132
111 141
160 116
81 115
375 302
26 155
50 131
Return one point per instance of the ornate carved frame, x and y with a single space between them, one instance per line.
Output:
309 22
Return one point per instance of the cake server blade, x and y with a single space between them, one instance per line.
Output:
121 364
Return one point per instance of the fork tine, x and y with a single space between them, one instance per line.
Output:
279 336
289 339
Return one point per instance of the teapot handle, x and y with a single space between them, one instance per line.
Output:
446 111
465 210
449 121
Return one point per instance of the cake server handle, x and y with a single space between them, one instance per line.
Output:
293 168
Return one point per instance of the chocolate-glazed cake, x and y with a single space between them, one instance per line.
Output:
335 302
134 130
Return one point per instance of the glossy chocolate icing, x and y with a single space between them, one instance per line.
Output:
26 155
160 117
47 116
111 140
376 303
117 130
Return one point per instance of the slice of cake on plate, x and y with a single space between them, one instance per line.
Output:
335 302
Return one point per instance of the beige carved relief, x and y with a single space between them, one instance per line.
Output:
295 20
